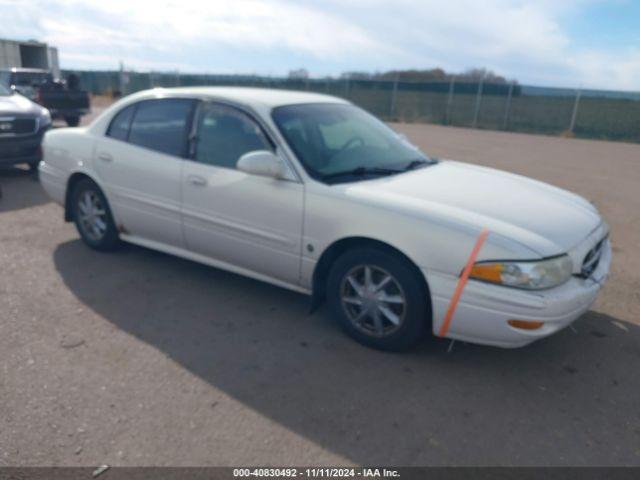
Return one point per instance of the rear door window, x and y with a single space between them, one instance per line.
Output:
119 127
162 125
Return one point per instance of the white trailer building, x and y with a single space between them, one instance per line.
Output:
29 54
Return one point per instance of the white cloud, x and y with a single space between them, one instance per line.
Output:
170 25
524 40
611 71
240 23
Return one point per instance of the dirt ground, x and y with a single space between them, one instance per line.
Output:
139 358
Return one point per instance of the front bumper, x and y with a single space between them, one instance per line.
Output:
484 309
21 149
62 113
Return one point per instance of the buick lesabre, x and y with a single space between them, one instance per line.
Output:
311 193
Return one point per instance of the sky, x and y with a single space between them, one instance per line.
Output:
566 43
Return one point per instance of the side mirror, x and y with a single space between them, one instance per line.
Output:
261 162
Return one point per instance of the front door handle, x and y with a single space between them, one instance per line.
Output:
105 157
197 180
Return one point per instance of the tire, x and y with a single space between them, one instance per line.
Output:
73 121
359 320
88 202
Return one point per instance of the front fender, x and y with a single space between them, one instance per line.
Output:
432 244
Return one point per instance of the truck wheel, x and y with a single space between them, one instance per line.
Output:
379 299
72 121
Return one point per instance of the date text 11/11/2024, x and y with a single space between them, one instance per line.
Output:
326 472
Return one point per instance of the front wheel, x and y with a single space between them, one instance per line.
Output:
379 298
33 167
93 218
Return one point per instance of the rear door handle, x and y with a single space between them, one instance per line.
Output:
197 180
105 157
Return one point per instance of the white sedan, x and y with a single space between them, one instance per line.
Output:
311 193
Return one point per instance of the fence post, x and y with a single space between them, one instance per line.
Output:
394 94
121 79
478 99
574 114
507 107
447 113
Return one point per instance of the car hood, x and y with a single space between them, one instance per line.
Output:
18 105
546 219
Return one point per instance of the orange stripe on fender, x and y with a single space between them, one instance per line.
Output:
462 282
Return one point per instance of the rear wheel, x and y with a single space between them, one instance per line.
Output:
92 216
379 299
72 121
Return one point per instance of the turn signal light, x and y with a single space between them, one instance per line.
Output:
525 324
491 272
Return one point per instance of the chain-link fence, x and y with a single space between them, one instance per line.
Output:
601 114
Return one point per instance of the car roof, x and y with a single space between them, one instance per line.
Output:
259 97
261 100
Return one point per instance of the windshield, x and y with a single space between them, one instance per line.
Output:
338 141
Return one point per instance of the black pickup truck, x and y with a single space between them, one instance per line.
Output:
64 99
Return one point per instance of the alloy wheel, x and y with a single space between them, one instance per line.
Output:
92 215
373 300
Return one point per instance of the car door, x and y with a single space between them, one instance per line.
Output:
244 220
139 162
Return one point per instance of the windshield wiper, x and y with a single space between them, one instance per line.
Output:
420 162
362 171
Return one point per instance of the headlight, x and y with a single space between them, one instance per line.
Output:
534 275
45 117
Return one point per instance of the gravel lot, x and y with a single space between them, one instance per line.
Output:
139 358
